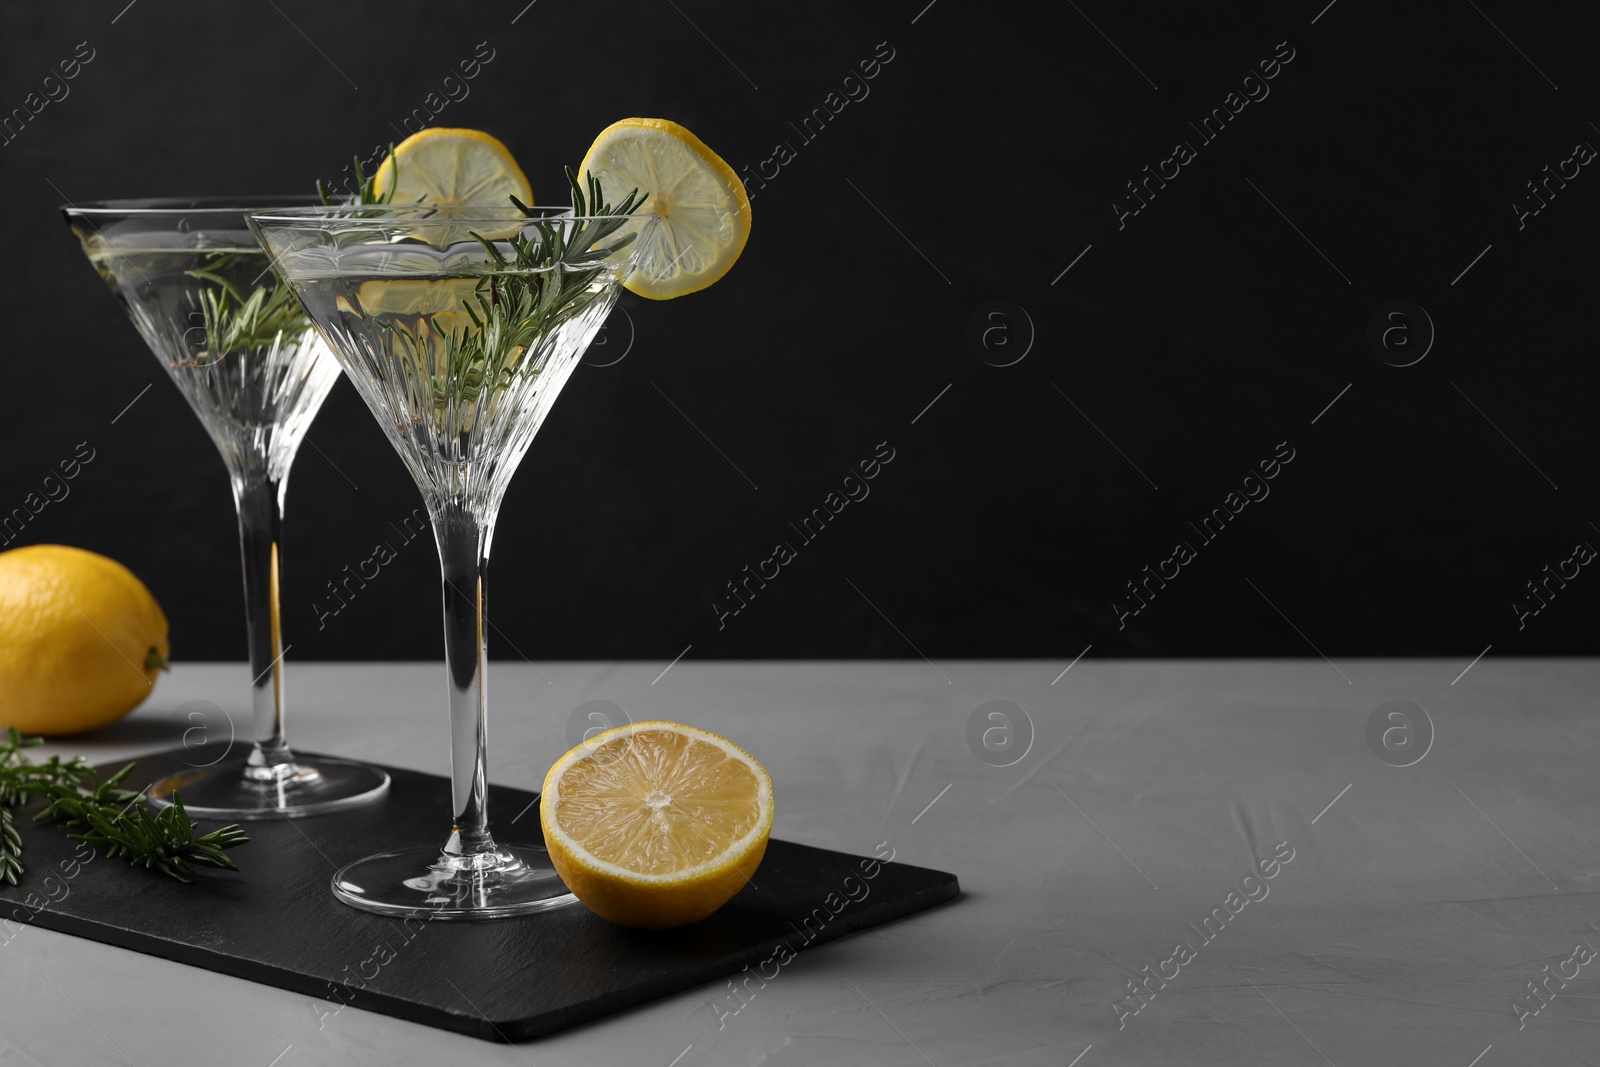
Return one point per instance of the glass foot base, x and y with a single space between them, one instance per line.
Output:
313 786
512 880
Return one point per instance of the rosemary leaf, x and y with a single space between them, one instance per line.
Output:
103 814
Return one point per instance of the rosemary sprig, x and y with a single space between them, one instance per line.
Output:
526 296
234 321
104 814
17 777
270 313
366 186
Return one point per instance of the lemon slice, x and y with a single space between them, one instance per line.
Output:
703 209
406 296
656 824
446 167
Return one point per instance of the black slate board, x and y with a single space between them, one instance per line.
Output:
508 980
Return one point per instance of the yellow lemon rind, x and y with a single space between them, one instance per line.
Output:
384 177
654 901
636 283
63 672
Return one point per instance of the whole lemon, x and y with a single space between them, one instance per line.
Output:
81 640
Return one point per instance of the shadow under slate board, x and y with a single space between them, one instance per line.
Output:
276 922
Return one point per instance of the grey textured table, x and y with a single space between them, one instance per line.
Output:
1419 903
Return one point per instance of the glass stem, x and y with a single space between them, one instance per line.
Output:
259 499
463 558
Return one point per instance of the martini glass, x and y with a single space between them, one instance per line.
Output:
240 350
458 327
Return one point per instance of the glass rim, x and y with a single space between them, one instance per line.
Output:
423 214
190 205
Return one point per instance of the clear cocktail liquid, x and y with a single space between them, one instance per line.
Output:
240 350
460 374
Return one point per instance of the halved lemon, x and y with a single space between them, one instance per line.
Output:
447 167
702 204
656 824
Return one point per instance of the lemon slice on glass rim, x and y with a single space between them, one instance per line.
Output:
460 171
702 207
446 167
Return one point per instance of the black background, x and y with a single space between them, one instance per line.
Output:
984 160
